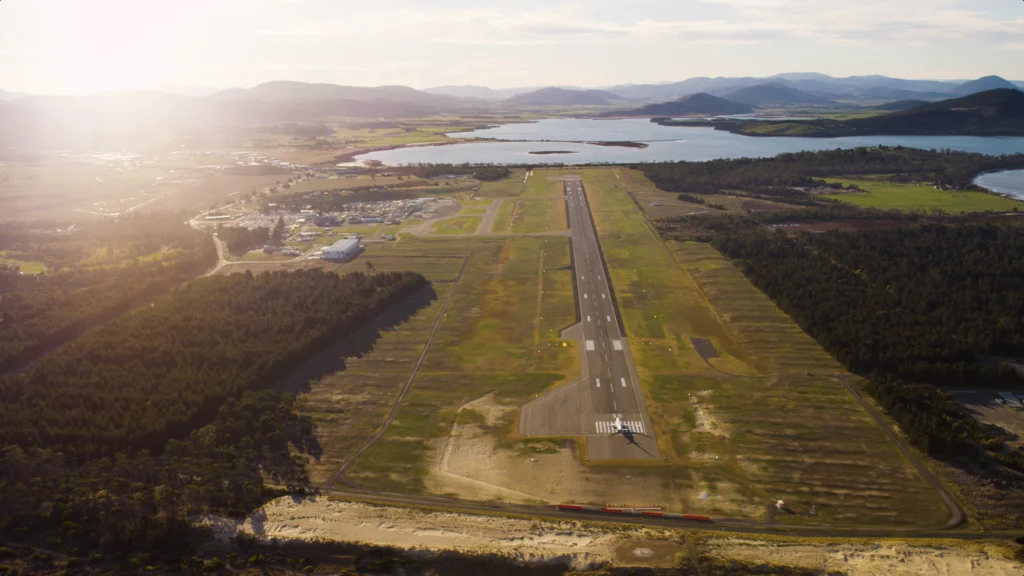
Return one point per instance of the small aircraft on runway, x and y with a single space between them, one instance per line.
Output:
628 434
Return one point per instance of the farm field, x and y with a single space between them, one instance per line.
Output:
921 197
26 267
490 341
457 225
67 189
749 426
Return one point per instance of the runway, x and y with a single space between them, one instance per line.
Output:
608 386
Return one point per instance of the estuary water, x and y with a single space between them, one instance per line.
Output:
665 144
1006 182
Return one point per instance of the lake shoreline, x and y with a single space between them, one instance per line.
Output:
510 144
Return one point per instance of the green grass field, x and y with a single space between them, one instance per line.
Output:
504 218
752 427
922 197
538 184
491 340
26 267
457 225
504 188
538 215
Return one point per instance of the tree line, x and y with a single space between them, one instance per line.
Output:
806 169
160 372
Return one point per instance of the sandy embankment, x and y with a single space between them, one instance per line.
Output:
870 559
579 545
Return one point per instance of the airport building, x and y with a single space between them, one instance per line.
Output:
342 250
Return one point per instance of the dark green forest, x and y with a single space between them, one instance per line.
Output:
94 273
779 175
240 240
913 307
159 373
121 506
918 301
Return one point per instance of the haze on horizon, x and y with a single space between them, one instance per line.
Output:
73 47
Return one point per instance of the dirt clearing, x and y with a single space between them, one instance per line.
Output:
866 559
576 544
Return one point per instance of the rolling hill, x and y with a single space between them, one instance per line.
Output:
899 105
983 84
695 104
283 91
997 112
776 94
563 97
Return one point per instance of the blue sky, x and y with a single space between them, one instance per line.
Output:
77 46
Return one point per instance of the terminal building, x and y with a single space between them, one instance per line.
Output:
342 250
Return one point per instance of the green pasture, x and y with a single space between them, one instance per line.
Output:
921 197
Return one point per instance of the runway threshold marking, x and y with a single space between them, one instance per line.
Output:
608 426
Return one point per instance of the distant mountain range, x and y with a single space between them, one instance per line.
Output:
696 104
850 89
776 94
481 92
123 119
998 112
563 97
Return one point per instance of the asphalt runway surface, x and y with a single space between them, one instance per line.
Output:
608 386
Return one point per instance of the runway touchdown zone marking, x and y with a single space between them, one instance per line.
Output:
617 344
608 426
590 346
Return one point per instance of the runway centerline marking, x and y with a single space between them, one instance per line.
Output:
598 382
588 318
